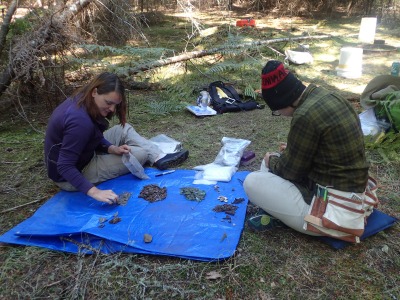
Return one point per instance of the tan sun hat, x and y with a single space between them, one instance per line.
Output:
378 88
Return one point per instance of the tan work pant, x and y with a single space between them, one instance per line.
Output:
278 197
103 167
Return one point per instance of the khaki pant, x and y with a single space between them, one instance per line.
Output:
103 167
278 197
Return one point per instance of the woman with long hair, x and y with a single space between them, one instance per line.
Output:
79 150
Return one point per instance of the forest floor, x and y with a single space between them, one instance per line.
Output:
280 264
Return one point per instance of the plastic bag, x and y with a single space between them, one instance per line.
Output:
225 164
134 166
299 58
231 151
215 172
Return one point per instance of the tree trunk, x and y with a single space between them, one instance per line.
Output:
6 23
42 36
230 5
202 53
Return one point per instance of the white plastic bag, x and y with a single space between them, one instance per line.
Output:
225 164
298 57
231 151
215 172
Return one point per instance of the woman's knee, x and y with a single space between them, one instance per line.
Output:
140 154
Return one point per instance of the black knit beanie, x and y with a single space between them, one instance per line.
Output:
280 88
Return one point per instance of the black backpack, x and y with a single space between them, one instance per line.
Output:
224 98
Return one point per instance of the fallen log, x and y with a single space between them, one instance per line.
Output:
202 53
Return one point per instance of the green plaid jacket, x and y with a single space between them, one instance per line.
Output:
325 145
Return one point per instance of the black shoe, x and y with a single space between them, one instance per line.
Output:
171 159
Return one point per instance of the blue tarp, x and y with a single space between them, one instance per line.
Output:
70 221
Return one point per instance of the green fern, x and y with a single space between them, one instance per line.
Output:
233 66
125 50
250 92
387 145
164 107
172 99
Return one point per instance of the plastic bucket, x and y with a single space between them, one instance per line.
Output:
367 30
350 62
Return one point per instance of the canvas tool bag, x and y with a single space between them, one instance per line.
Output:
341 215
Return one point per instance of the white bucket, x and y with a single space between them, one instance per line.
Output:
350 62
367 30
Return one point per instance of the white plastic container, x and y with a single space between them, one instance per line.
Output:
367 30
350 62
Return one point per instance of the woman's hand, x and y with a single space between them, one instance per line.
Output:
106 196
118 150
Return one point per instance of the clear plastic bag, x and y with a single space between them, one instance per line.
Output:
134 166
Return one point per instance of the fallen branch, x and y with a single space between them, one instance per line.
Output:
202 53
22 205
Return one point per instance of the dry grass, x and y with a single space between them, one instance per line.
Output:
281 264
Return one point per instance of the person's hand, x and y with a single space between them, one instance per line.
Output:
118 150
106 196
268 156
282 146
266 159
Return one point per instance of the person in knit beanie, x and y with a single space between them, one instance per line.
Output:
280 88
324 147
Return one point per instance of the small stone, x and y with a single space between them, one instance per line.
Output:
115 220
148 238
123 198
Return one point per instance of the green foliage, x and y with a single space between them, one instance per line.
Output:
250 92
389 109
127 50
224 67
234 67
118 59
178 91
387 145
231 41
171 99
19 27
279 264
164 107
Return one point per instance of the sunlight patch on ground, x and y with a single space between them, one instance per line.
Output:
350 86
327 57
209 31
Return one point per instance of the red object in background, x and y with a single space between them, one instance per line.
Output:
246 22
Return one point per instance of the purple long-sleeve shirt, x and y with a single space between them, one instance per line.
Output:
72 138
